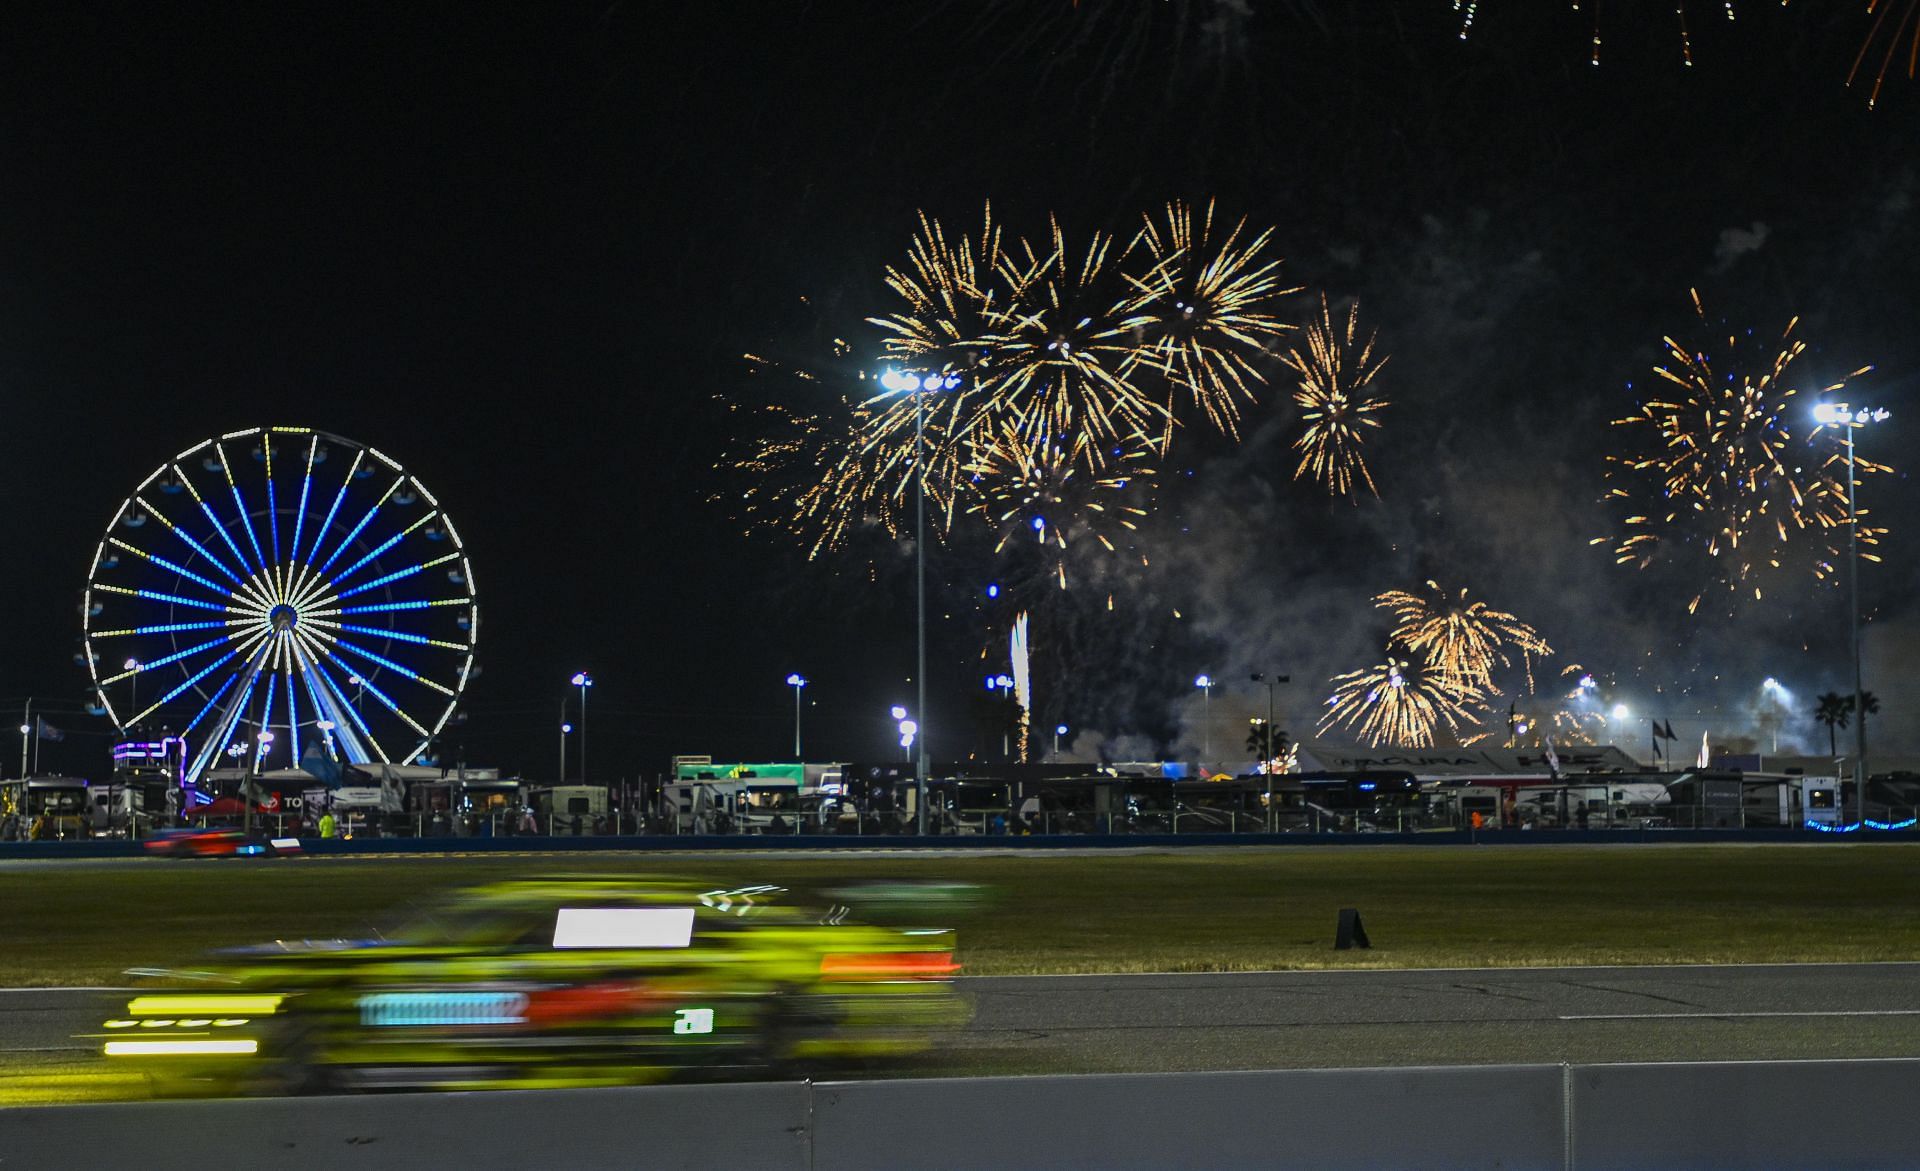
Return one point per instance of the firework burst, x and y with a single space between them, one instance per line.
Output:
1400 703
1461 640
1906 29
1066 347
1046 496
1207 306
1469 13
1719 466
1336 401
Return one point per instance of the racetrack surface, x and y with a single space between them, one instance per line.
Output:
1269 1020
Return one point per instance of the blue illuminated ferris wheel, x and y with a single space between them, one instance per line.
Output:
280 595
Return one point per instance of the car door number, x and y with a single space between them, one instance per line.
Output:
693 1020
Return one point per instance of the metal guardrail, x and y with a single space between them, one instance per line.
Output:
1733 1116
691 843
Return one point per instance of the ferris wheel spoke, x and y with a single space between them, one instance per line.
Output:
293 719
402 636
240 506
322 651
229 717
175 657
300 513
168 628
212 520
196 677
209 705
273 502
389 543
345 716
398 574
165 564
384 607
313 679
355 530
187 539
157 596
320 530
399 669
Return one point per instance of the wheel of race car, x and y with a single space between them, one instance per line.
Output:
788 1019
293 1062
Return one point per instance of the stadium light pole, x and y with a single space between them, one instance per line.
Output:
1269 678
904 383
582 680
1843 415
133 689
1059 730
1205 683
560 778
796 681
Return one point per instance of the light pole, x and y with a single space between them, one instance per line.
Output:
582 680
25 731
907 729
564 729
1205 683
1003 684
902 383
1059 730
133 690
1842 415
1269 678
796 681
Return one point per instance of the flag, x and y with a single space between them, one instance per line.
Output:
1553 761
321 766
46 731
1668 733
1657 754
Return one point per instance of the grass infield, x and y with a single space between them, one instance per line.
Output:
1189 910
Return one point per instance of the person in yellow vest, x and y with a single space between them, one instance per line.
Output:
328 826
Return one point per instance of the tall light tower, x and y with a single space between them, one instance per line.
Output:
1205 683
1843 415
796 681
582 680
919 386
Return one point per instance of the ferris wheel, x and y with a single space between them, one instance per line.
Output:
280 595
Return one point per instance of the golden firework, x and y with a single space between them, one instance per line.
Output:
1722 466
1336 401
1045 495
1208 309
1461 640
1402 704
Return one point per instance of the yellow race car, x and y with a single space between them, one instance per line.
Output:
552 983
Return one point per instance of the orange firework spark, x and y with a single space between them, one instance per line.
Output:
1336 401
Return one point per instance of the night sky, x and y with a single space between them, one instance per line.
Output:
523 249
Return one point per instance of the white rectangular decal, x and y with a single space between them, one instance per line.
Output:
623 927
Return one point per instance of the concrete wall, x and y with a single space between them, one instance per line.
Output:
1758 1115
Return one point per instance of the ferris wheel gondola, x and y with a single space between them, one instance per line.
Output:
282 592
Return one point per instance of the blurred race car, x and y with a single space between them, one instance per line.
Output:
565 982
193 842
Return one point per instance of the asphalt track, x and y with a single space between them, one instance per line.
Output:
1269 1020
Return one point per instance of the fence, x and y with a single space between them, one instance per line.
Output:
1728 1116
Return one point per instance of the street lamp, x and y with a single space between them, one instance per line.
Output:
1843 415
1003 684
796 681
903 383
133 689
1059 730
1205 683
907 729
582 680
564 729
1269 678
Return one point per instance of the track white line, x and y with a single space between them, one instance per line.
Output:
1518 969
1680 1016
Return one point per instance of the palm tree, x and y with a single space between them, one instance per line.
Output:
1869 706
1832 711
1264 742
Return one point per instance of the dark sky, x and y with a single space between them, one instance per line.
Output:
521 248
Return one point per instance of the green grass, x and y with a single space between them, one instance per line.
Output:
1176 911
